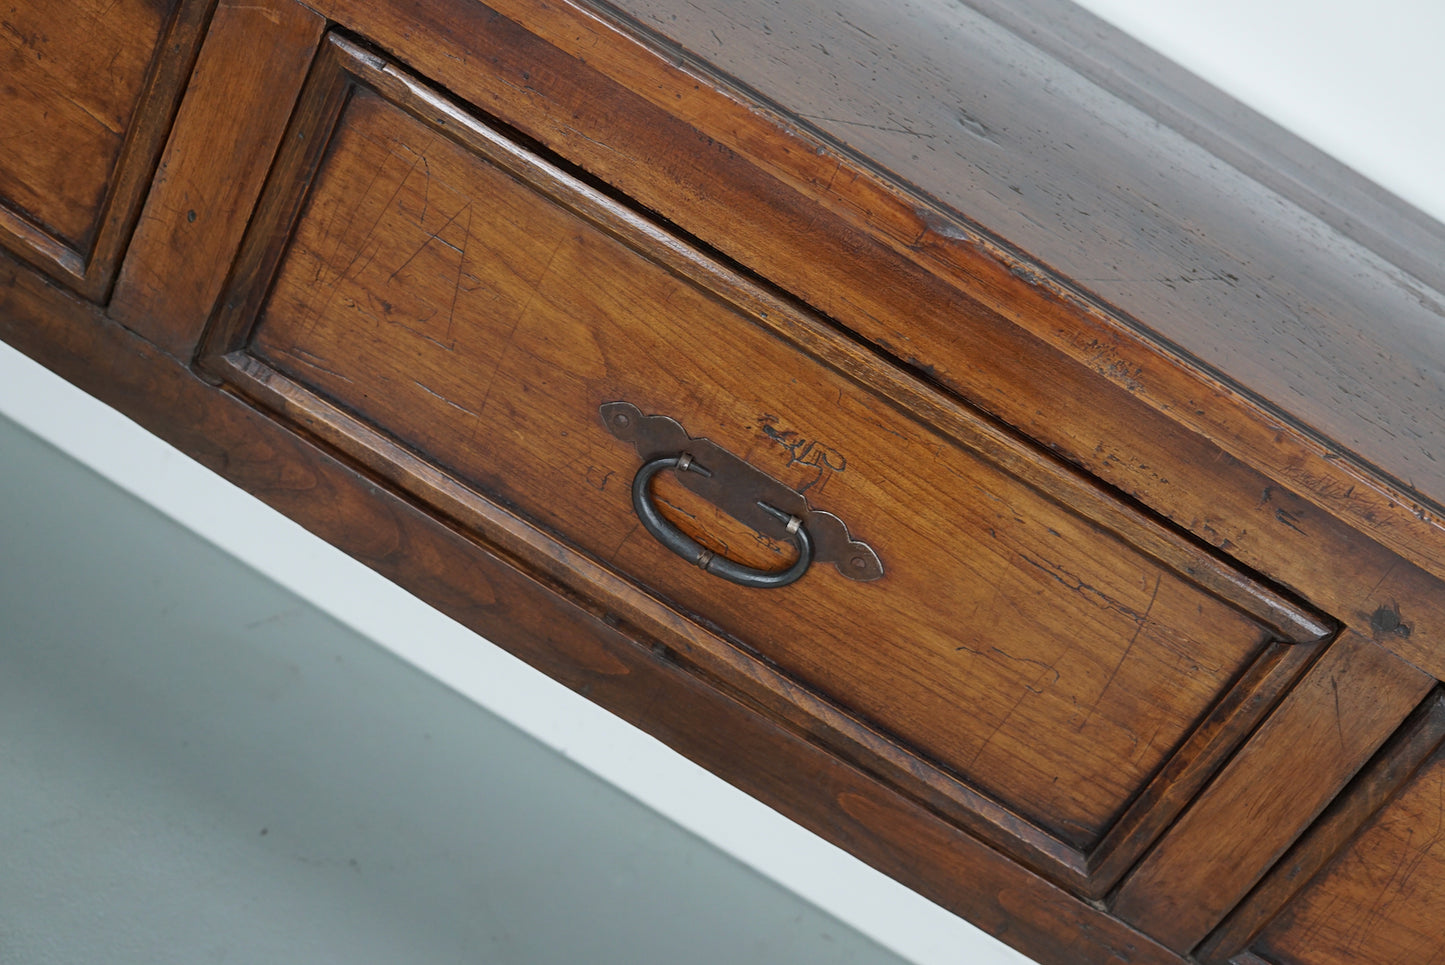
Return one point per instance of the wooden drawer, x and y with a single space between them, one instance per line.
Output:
438 300
88 93
1366 886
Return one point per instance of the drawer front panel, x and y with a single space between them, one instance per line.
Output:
1380 902
73 81
86 92
1367 885
421 291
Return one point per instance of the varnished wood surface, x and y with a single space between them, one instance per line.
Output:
1377 784
947 100
435 331
1379 901
238 101
74 73
670 138
87 96
1319 184
1323 731
481 322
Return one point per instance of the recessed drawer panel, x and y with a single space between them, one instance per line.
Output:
86 91
451 309
72 86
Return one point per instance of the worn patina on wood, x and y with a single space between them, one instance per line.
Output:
1141 420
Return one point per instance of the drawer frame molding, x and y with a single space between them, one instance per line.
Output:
1293 635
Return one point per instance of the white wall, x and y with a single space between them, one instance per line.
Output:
200 767
1361 80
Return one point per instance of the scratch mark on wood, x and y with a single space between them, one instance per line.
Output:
576 133
1376 588
434 236
998 727
849 23
1143 620
429 391
315 362
340 234
1288 518
597 479
612 557
871 127
674 507
1048 668
423 335
461 264
112 128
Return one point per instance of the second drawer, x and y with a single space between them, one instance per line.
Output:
1040 663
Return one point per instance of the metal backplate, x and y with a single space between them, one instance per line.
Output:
736 488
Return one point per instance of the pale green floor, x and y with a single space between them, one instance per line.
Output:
197 766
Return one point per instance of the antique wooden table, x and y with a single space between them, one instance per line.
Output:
1108 418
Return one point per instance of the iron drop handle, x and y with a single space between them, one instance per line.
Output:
694 552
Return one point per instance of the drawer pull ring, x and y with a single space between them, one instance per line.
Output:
741 490
691 550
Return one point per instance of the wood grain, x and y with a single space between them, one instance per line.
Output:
483 326
89 93
585 648
1321 734
1379 900
1097 539
74 73
239 99
1378 783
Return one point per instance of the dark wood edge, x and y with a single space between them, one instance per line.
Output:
1387 773
590 649
223 358
91 271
